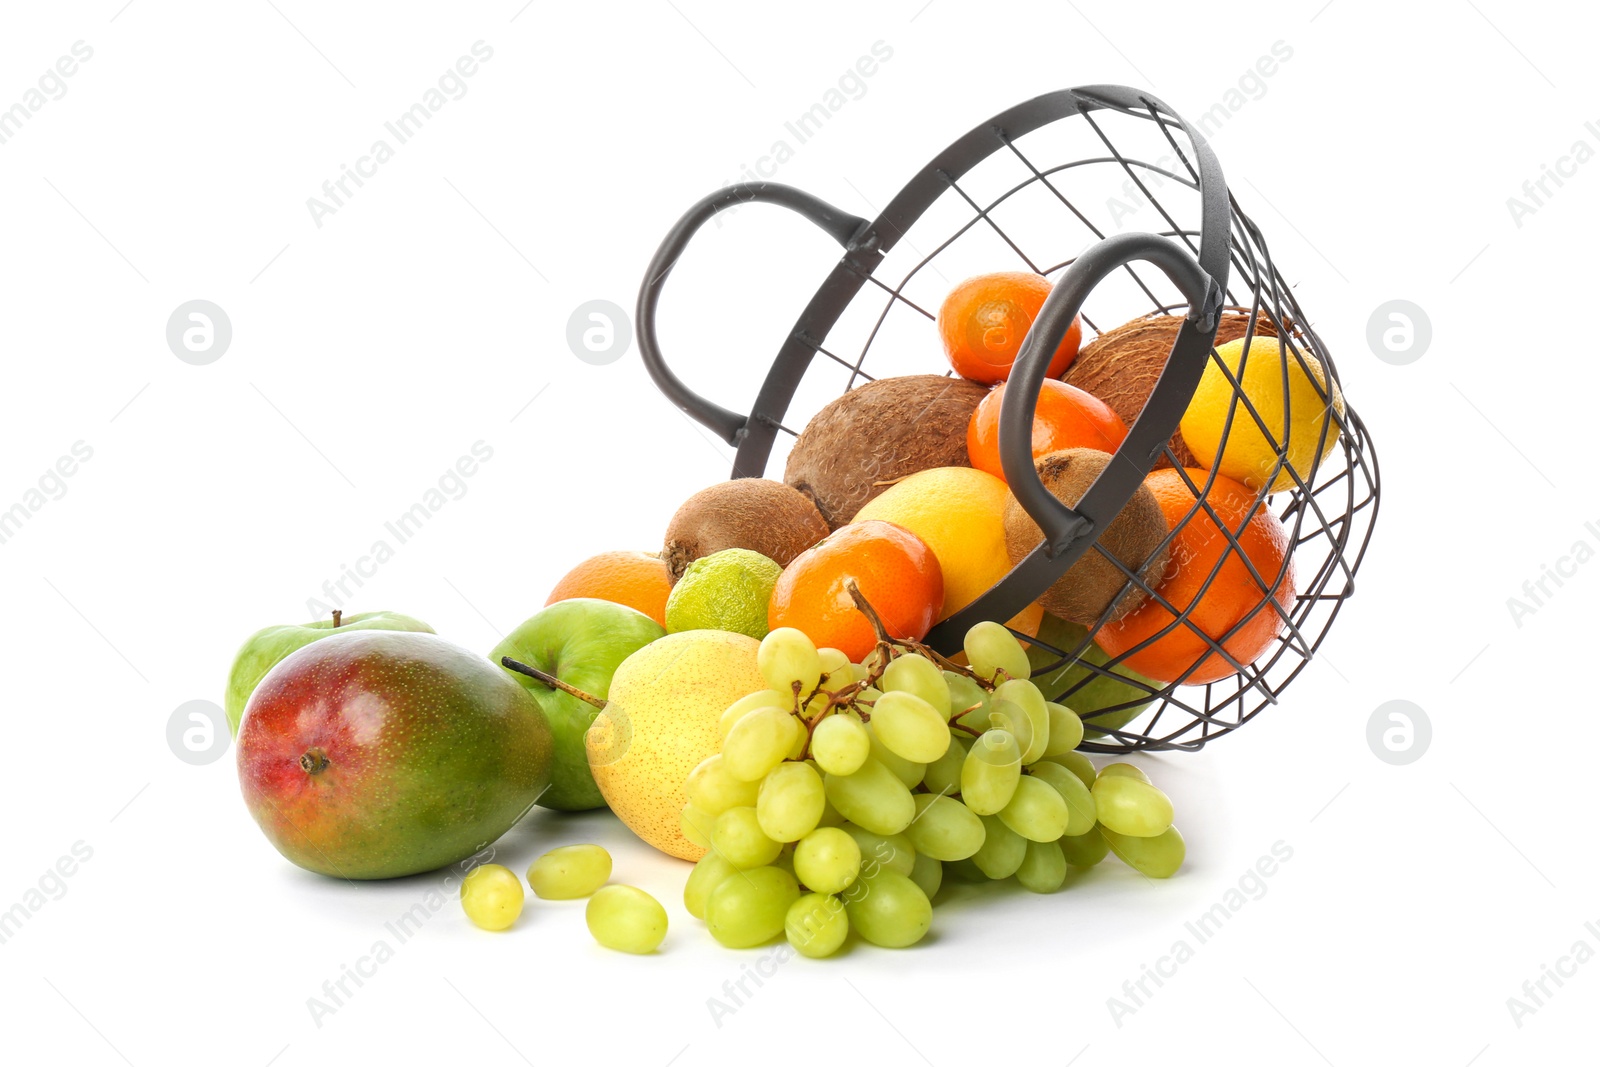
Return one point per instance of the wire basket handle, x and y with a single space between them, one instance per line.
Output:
1069 531
842 226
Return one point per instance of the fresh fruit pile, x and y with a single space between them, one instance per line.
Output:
842 790
757 697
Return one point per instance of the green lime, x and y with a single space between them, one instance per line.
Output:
726 590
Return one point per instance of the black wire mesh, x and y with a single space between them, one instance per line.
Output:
1329 521
1037 201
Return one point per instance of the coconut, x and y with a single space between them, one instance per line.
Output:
1121 366
876 434
752 513
1134 537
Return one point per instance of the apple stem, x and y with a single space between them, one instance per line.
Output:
551 680
337 616
314 761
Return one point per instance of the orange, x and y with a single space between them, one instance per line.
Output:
1197 547
896 571
959 513
1066 417
638 580
984 319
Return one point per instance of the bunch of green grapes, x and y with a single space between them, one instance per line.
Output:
843 789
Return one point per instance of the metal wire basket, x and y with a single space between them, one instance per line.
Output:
1046 186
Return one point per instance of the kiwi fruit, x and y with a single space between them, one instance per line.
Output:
1134 537
754 513
878 433
1121 366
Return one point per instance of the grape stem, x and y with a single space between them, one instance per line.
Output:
551 680
895 646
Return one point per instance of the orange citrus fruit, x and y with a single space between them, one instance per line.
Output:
896 571
1065 417
1224 611
959 513
984 319
638 580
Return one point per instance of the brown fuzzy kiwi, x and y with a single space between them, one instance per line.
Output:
1121 365
764 516
1134 537
878 433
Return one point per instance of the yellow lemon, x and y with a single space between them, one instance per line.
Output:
959 513
660 721
1302 414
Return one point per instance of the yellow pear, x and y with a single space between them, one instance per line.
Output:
660 721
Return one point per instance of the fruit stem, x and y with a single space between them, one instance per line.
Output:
895 645
314 761
338 616
551 680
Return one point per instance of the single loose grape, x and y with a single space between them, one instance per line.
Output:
761 698
569 872
1037 810
992 649
1126 770
706 876
749 908
626 919
1026 695
1131 807
711 789
872 798
757 743
816 925
789 661
909 772
990 772
943 775
791 802
944 828
919 677
1002 850
840 744
909 726
491 896
738 838
1081 812
891 852
1084 850
928 873
1078 764
827 860
889 910
1044 867
1066 730
1155 857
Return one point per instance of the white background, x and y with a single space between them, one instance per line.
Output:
426 314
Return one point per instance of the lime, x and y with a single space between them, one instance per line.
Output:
726 590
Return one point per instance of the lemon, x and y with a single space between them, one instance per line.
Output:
1297 414
726 590
959 513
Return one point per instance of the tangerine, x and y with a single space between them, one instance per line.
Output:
984 319
1066 417
1236 610
896 571
638 580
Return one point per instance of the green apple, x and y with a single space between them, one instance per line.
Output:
1099 691
581 642
266 647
